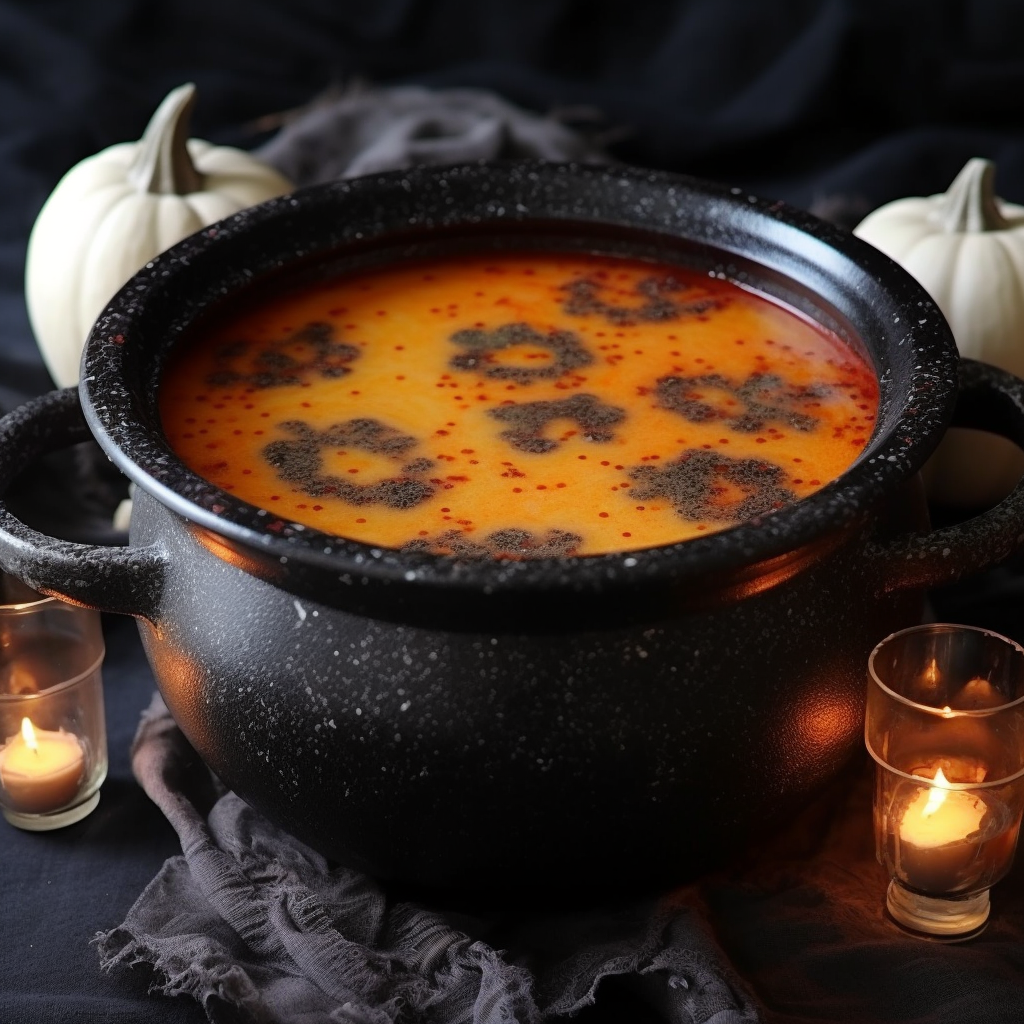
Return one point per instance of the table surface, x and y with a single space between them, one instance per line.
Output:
799 918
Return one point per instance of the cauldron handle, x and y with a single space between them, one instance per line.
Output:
115 579
989 399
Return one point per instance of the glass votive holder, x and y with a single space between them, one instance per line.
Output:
53 738
945 726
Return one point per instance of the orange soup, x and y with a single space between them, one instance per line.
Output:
519 405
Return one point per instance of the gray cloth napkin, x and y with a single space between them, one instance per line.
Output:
258 927
367 130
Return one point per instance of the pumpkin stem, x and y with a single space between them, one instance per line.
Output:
970 204
162 164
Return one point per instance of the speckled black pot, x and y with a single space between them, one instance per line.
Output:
507 725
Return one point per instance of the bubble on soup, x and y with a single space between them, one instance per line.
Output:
311 351
566 352
300 461
509 544
759 399
703 486
528 421
585 297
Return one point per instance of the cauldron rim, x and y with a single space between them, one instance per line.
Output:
914 353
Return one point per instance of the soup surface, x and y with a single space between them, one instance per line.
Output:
519 405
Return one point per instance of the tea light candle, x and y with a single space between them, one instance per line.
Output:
41 770
940 836
945 713
938 816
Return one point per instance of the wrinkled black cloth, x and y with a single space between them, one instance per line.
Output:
253 924
366 130
258 927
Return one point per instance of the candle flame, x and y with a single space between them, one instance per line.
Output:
931 673
936 794
28 734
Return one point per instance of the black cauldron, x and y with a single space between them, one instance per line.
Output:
508 725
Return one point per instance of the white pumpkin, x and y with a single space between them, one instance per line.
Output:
116 210
966 247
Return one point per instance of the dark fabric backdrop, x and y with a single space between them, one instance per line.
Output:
833 105
838 104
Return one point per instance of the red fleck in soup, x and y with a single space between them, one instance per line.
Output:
519 405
